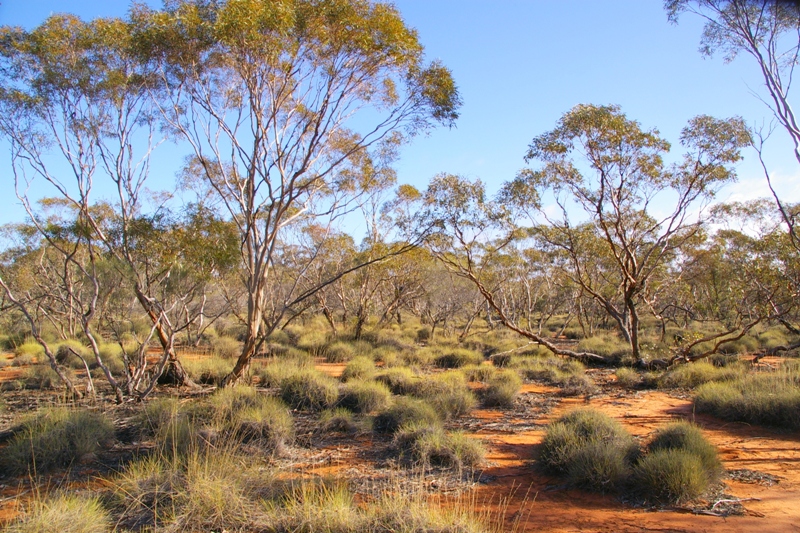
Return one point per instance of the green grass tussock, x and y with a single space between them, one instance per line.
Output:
360 367
688 437
670 476
768 399
447 393
502 389
458 357
691 375
65 513
364 396
592 449
404 412
428 445
309 389
55 438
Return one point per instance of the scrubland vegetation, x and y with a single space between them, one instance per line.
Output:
198 366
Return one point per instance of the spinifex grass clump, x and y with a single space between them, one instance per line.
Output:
55 438
429 445
680 465
691 375
364 396
208 370
403 412
765 398
567 374
400 380
458 357
243 414
361 367
502 388
591 449
65 513
309 389
447 393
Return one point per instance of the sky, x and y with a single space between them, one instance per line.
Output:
520 65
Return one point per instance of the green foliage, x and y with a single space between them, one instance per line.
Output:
226 347
364 396
66 513
599 465
31 350
339 420
769 399
339 352
447 393
400 380
403 412
55 438
670 476
605 346
43 377
502 389
244 414
585 432
309 389
628 377
480 373
173 426
65 355
458 357
568 374
361 367
688 437
428 445
208 370
693 374
273 373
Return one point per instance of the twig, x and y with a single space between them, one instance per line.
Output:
736 501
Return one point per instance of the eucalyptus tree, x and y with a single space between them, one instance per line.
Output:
601 164
470 232
76 105
769 32
291 108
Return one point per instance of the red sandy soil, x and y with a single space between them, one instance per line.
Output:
544 506
532 501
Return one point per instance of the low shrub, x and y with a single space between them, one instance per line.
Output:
43 377
458 357
502 389
208 370
691 375
339 420
670 476
226 347
55 438
431 446
628 377
65 513
579 429
309 389
244 414
688 437
768 399
405 411
447 393
481 373
30 348
364 396
360 367
173 426
339 352
65 354
567 374
273 374
599 465
400 380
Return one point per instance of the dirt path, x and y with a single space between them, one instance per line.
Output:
542 504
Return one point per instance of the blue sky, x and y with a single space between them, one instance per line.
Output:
520 64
